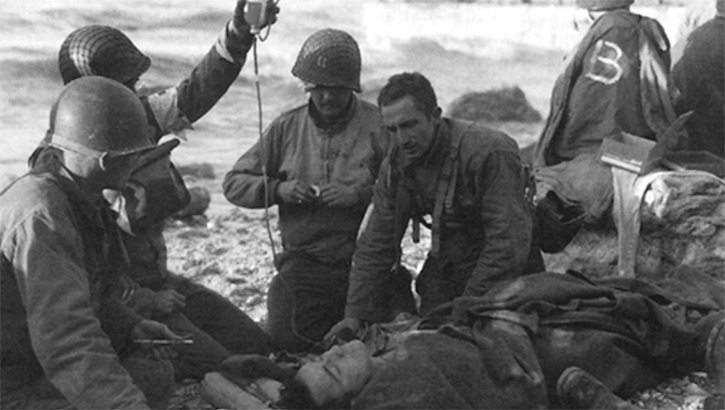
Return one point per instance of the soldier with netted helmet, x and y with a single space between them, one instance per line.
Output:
317 163
156 190
64 325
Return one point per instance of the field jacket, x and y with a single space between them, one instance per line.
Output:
616 80
56 279
175 109
484 229
294 147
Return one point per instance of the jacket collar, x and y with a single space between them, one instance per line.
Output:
66 182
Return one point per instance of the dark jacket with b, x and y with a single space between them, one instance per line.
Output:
616 80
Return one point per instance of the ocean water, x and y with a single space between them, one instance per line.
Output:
461 47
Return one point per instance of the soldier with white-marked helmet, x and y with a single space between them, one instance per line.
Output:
317 163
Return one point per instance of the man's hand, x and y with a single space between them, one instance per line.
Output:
240 24
347 325
151 329
168 301
296 192
338 195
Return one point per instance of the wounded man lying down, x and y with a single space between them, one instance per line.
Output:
541 341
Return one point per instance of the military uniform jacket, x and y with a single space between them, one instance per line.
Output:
54 282
616 80
485 228
294 147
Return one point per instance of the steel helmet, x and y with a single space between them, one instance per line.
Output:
331 58
596 5
98 116
100 50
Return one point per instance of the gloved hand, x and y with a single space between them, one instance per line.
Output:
240 25
237 38
338 195
295 192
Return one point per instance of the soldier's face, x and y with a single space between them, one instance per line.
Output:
339 372
330 102
411 128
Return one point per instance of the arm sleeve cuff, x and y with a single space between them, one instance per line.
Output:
233 46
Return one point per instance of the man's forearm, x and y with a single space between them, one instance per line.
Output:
206 84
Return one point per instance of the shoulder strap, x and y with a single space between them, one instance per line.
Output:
446 186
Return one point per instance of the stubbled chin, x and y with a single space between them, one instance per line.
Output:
329 113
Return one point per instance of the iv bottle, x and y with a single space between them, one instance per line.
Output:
255 13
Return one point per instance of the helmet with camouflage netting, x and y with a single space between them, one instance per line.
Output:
100 50
329 58
598 5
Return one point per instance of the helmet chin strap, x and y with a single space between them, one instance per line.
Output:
61 143
58 141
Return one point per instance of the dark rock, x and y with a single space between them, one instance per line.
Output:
202 170
507 104
371 90
198 204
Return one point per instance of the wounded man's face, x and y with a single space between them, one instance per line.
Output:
339 372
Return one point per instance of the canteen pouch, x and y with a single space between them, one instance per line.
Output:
557 223
155 190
